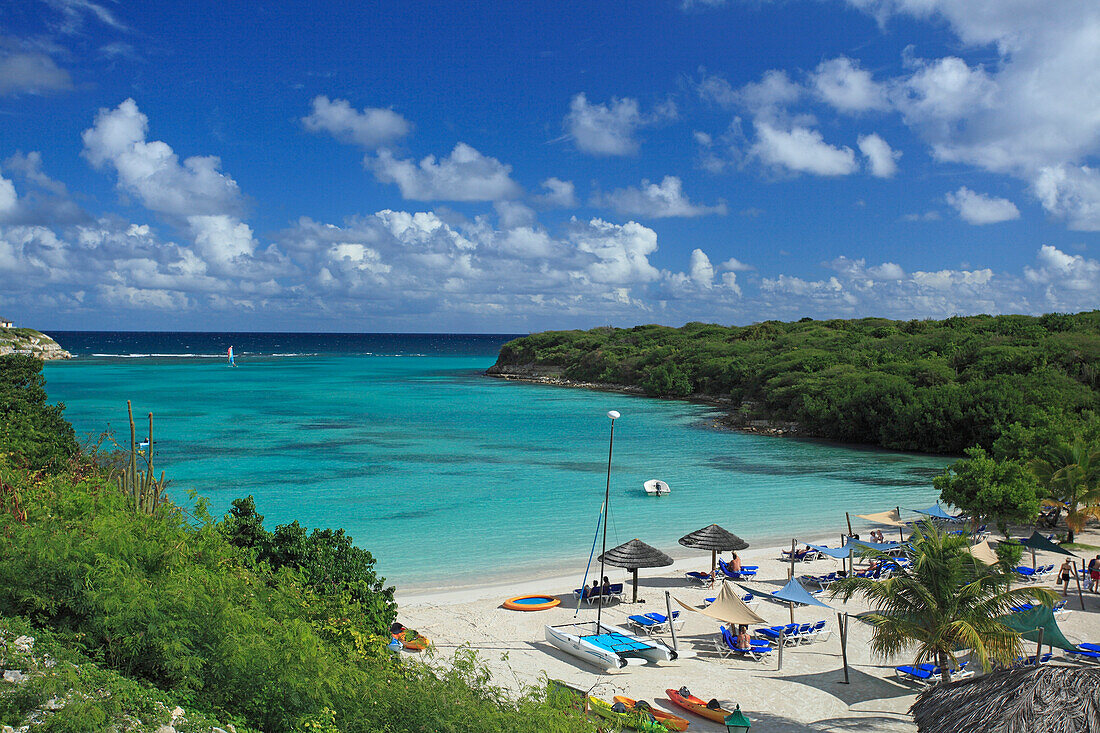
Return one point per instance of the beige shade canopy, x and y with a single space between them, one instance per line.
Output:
727 607
890 518
982 551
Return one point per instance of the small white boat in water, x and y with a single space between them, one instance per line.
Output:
606 646
656 487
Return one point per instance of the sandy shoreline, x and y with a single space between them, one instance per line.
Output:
807 695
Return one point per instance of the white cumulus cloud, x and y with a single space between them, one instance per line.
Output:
840 82
656 200
609 129
370 127
801 150
979 208
464 175
881 159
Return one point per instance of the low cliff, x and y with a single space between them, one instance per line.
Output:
31 343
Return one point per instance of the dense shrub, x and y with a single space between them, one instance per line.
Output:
32 433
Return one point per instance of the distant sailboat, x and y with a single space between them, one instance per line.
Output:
232 363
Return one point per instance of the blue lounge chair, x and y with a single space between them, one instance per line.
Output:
662 620
746 572
1030 661
726 644
1089 647
1083 655
1026 573
909 673
1060 608
701 578
644 623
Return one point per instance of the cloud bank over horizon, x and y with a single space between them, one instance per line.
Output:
717 198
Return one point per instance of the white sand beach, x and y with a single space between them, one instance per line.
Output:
809 693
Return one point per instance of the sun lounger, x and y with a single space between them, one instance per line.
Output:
1060 608
1030 661
615 593
788 634
746 572
703 579
928 673
1043 571
1083 655
643 623
1026 573
726 645
662 620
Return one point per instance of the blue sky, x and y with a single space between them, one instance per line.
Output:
509 167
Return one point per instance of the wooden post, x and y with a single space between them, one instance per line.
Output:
635 572
782 639
713 567
1039 648
849 518
841 623
1080 595
791 604
1032 558
792 559
901 530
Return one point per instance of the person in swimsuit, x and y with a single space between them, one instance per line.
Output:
1094 574
735 564
1067 571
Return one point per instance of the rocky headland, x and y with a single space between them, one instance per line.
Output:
29 342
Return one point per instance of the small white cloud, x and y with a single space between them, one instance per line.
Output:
665 199
735 265
1071 192
1064 271
609 129
841 83
801 150
978 208
882 160
32 73
370 127
513 214
766 98
702 138
700 269
558 193
464 175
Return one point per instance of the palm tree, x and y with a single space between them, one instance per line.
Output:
945 601
1071 474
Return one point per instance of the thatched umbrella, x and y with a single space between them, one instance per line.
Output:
1043 699
633 555
715 539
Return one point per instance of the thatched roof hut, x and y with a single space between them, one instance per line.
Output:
1044 699
633 555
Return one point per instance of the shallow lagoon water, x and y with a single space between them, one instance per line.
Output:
447 475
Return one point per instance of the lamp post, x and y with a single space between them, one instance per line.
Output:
736 722
614 415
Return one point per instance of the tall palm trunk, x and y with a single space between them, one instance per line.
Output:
945 669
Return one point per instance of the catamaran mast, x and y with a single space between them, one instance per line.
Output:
606 499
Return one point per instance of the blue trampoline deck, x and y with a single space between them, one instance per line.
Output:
615 642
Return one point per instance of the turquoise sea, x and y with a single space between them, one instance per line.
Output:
447 475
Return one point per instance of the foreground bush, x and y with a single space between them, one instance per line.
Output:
168 600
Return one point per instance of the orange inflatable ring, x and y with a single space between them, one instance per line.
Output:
531 603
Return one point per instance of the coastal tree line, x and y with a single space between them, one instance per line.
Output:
1018 396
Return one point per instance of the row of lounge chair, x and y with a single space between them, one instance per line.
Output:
747 572
806 554
726 645
748 599
614 592
795 634
1058 609
1037 575
652 623
928 674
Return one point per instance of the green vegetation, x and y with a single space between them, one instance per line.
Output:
944 602
32 433
148 605
1023 391
933 386
1003 491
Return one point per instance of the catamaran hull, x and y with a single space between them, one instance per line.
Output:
571 642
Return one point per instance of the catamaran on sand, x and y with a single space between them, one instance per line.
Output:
598 643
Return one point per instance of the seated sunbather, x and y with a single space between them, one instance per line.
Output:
743 641
735 564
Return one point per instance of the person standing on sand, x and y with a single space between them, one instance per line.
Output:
1067 571
1094 574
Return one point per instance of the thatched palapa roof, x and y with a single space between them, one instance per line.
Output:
713 538
1044 699
635 554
